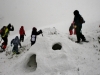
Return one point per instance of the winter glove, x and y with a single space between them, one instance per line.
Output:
41 31
74 26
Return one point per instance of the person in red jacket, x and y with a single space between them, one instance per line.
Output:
22 33
71 29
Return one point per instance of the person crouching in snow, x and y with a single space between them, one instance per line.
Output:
15 43
34 35
22 33
71 29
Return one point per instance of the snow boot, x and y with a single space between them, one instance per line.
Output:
77 41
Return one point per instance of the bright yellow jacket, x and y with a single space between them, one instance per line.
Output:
6 32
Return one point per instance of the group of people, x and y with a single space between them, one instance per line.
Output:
76 25
5 30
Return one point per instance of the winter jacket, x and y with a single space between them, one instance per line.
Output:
34 34
16 41
7 30
22 31
78 19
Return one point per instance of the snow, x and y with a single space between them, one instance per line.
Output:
41 58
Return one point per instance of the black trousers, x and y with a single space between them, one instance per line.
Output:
4 44
32 43
22 38
79 34
5 39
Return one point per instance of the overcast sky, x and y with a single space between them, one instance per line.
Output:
39 13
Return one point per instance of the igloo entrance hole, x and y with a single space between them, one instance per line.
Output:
32 64
57 46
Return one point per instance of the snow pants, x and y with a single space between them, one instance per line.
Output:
79 34
15 49
4 44
22 38
32 43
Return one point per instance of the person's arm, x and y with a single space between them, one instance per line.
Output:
39 32
20 44
24 32
12 41
12 28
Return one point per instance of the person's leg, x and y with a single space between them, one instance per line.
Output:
82 37
22 38
32 43
4 44
77 34
13 50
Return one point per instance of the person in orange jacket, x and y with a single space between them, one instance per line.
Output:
71 29
22 33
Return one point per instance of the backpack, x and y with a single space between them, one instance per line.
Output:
2 30
82 20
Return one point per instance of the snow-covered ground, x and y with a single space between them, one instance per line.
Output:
69 58
54 18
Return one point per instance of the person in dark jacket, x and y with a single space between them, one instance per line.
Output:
16 43
34 35
22 33
4 36
78 21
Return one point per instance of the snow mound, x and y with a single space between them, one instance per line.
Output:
42 59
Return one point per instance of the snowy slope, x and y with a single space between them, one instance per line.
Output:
41 59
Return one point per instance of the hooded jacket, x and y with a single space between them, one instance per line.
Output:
34 34
22 31
78 19
16 41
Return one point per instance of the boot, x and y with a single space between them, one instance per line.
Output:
18 53
77 41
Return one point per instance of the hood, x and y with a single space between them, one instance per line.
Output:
16 37
22 27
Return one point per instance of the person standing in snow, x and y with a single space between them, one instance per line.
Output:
4 35
78 21
22 33
34 35
16 43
